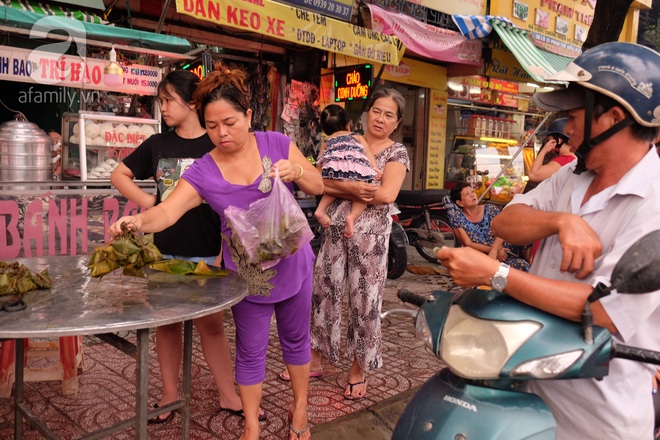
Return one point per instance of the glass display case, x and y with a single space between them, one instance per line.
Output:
93 144
478 160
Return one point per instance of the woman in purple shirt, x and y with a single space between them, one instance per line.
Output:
237 172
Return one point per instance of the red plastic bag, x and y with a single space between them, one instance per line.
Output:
271 228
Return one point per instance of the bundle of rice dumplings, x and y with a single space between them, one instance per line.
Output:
127 250
16 278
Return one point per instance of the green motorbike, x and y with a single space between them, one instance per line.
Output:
493 345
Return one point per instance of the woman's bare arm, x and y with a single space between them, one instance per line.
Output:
122 178
539 172
155 219
310 180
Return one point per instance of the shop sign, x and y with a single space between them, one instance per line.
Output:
353 82
426 40
483 90
487 83
341 9
41 67
409 71
58 224
504 65
296 25
196 67
558 26
436 147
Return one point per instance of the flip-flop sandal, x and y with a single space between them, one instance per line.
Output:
158 420
297 432
284 375
239 413
349 388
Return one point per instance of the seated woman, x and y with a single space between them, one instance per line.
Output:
471 224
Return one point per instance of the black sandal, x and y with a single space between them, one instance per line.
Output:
158 420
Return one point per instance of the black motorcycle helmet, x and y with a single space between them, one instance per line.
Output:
627 73
556 130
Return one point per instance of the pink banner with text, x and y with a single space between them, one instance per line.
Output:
426 40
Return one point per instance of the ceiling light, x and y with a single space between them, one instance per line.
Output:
456 87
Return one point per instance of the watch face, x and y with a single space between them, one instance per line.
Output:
498 282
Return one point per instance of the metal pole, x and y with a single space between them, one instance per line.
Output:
547 116
161 20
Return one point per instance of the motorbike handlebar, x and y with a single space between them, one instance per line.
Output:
411 298
636 354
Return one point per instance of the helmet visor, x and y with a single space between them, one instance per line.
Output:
560 100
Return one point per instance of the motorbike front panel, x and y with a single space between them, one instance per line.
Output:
448 406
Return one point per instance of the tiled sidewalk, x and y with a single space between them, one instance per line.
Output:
106 392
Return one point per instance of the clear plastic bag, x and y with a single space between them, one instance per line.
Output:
271 228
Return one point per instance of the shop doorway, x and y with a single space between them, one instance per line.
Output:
412 133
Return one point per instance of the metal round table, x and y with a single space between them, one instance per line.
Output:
78 304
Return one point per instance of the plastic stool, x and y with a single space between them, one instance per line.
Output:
69 349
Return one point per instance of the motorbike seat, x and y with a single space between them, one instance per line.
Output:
422 197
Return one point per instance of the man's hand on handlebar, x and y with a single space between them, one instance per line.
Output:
468 267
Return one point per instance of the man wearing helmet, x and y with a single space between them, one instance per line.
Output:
587 215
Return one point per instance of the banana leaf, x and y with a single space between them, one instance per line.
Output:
42 279
185 267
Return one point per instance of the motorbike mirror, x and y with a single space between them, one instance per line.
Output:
638 270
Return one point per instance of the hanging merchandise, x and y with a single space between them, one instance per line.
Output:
301 117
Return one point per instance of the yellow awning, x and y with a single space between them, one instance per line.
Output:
299 26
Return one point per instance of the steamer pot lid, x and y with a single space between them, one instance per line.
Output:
23 131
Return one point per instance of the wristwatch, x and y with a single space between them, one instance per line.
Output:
498 281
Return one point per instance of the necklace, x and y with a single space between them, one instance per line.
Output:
265 185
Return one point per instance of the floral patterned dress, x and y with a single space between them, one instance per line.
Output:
360 264
482 233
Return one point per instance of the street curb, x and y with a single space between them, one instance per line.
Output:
373 423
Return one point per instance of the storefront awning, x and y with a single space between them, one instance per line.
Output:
288 23
48 8
92 4
42 26
539 63
425 40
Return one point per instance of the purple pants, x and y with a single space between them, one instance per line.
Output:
253 327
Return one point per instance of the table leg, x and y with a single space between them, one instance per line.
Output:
68 357
7 368
187 373
18 417
141 385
